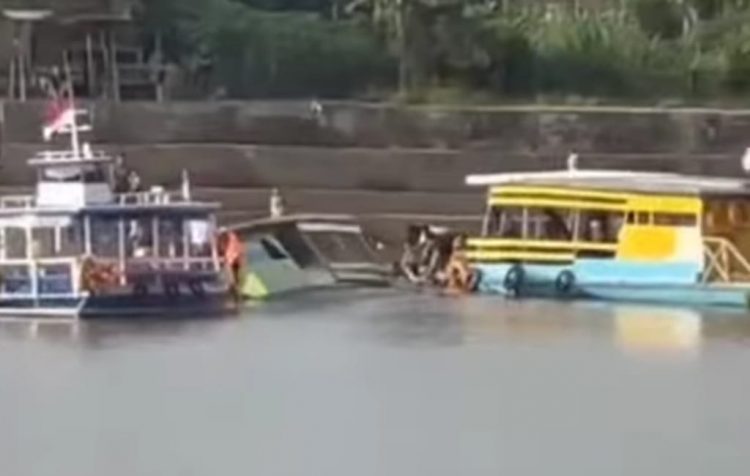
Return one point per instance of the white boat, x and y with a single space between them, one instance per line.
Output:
77 249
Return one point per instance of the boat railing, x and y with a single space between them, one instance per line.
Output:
69 155
151 197
157 196
17 201
724 262
185 266
172 263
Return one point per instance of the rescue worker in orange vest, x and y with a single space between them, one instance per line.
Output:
231 250
458 277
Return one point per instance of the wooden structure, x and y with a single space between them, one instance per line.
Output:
19 71
99 44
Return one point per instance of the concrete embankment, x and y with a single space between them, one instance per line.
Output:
389 164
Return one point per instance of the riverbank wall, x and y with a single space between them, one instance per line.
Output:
386 163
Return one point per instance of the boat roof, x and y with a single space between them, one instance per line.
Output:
661 183
331 220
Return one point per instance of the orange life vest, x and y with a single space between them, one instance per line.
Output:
96 276
233 251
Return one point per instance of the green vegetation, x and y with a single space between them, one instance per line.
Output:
635 50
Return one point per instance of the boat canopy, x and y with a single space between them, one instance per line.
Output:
619 181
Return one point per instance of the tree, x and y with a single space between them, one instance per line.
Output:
390 19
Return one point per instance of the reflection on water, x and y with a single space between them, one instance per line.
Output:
639 329
644 329
381 382
433 320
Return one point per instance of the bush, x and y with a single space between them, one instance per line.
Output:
659 18
261 53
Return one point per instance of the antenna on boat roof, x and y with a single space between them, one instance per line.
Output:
63 116
572 161
185 185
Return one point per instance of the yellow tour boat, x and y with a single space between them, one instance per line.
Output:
616 235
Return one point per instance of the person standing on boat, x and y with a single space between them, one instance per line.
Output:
276 204
119 175
230 248
134 182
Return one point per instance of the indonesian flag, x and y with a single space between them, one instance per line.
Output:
59 115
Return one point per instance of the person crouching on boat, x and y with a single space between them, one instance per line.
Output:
231 251
420 258
411 257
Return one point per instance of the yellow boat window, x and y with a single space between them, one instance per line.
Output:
638 218
549 224
554 224
531 223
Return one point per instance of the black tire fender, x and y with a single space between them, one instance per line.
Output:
565 282
513 280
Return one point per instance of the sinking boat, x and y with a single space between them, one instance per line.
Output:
77 249
302 252
614 235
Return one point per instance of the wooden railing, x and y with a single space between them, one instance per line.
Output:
724 262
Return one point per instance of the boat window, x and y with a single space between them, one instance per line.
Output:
171 237
139 237
273 249
341 247
16 279
737 213
297 247
200 232
43 242
506 222
104 236
674 219
15 243
549 224
599 226
71 239
55 279
61 174
94 174
638 218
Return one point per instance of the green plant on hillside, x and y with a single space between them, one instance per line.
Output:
612 48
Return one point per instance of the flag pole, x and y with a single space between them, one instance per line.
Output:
74 126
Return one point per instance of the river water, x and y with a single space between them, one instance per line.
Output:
382 383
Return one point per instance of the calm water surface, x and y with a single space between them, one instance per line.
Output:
382 384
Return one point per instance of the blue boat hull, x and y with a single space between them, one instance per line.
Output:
619 283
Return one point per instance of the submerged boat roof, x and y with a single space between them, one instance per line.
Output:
323 219
619 181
